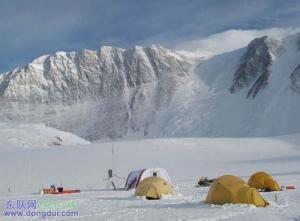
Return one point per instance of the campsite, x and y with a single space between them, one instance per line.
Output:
150 110
87 171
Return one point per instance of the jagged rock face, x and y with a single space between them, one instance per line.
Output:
101 94
295 79
254 68
70 77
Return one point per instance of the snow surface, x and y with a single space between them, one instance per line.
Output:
35 136
25 171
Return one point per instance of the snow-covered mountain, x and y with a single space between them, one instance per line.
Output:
154 92
95 94
247 92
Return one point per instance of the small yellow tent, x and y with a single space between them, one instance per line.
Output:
153 188
231 189
263 181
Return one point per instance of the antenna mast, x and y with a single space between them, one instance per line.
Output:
113 163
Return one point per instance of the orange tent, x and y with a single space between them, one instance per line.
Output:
263 181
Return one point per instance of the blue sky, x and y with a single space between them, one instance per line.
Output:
31 28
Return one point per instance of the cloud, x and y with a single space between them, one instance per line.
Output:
231 40
31 28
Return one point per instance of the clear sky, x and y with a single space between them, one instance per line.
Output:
31 28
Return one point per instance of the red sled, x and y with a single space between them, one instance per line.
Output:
59 190
290 187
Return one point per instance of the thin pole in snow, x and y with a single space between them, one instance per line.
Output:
113 156
111 172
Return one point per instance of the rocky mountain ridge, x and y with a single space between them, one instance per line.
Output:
157 92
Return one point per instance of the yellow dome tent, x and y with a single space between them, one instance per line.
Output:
153 188
231 189
263 181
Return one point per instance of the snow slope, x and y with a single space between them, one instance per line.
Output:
206 105
35 136
25 171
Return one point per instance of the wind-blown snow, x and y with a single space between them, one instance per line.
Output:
231 40
25 171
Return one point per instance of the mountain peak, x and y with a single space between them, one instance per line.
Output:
133 83
254 68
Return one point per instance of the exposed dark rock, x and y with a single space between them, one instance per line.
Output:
254 68
295 79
